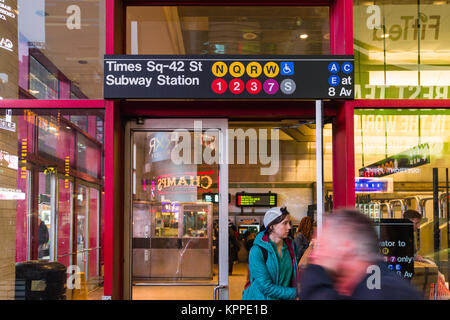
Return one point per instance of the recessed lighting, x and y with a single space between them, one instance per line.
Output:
249 36
303 36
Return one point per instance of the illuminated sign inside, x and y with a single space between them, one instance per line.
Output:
373 185
168 207
414 157
396 244
8 160
7 123
212 197
256 199
11 194
185 181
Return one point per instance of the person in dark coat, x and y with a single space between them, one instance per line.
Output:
233 249
43 237
345 264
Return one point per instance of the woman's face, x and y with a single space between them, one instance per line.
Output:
281 229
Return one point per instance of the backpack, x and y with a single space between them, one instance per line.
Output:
247 283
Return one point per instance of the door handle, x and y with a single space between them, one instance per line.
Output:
216 288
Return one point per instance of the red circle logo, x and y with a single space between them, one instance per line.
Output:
237 86
219 86
254 86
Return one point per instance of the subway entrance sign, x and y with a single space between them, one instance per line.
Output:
228 77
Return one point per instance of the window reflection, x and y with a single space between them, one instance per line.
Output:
397 57
228 30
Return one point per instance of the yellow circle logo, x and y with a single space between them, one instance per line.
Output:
237 69
254 69
385 250
219 69
271 69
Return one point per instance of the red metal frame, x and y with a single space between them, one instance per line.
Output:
341 42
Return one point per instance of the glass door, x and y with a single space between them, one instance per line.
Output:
173 166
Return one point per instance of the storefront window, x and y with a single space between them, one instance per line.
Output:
43 84
52 49
228 30
401 49
402 149
51 210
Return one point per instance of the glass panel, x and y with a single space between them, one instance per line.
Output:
65 222
53 49
88 156
38 171
395 56
172 225
45 218
43 84
401 148
93 233
82 216
228 30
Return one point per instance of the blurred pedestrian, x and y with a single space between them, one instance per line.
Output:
272 261
345 264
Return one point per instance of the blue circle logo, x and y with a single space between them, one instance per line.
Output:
334 80
333 67
347 67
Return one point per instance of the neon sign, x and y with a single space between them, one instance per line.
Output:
184 181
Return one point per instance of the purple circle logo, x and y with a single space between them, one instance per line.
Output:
271 86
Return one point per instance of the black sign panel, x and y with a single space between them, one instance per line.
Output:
408 159
396 241
228 77
256 199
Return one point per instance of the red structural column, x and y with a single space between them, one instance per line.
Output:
113 216
113 213
341 35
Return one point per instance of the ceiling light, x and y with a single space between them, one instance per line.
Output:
249 36
438 3
303 36
386 35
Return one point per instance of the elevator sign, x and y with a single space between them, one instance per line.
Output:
228 77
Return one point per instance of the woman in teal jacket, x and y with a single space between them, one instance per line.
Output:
272 260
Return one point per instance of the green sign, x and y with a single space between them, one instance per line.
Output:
256 199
